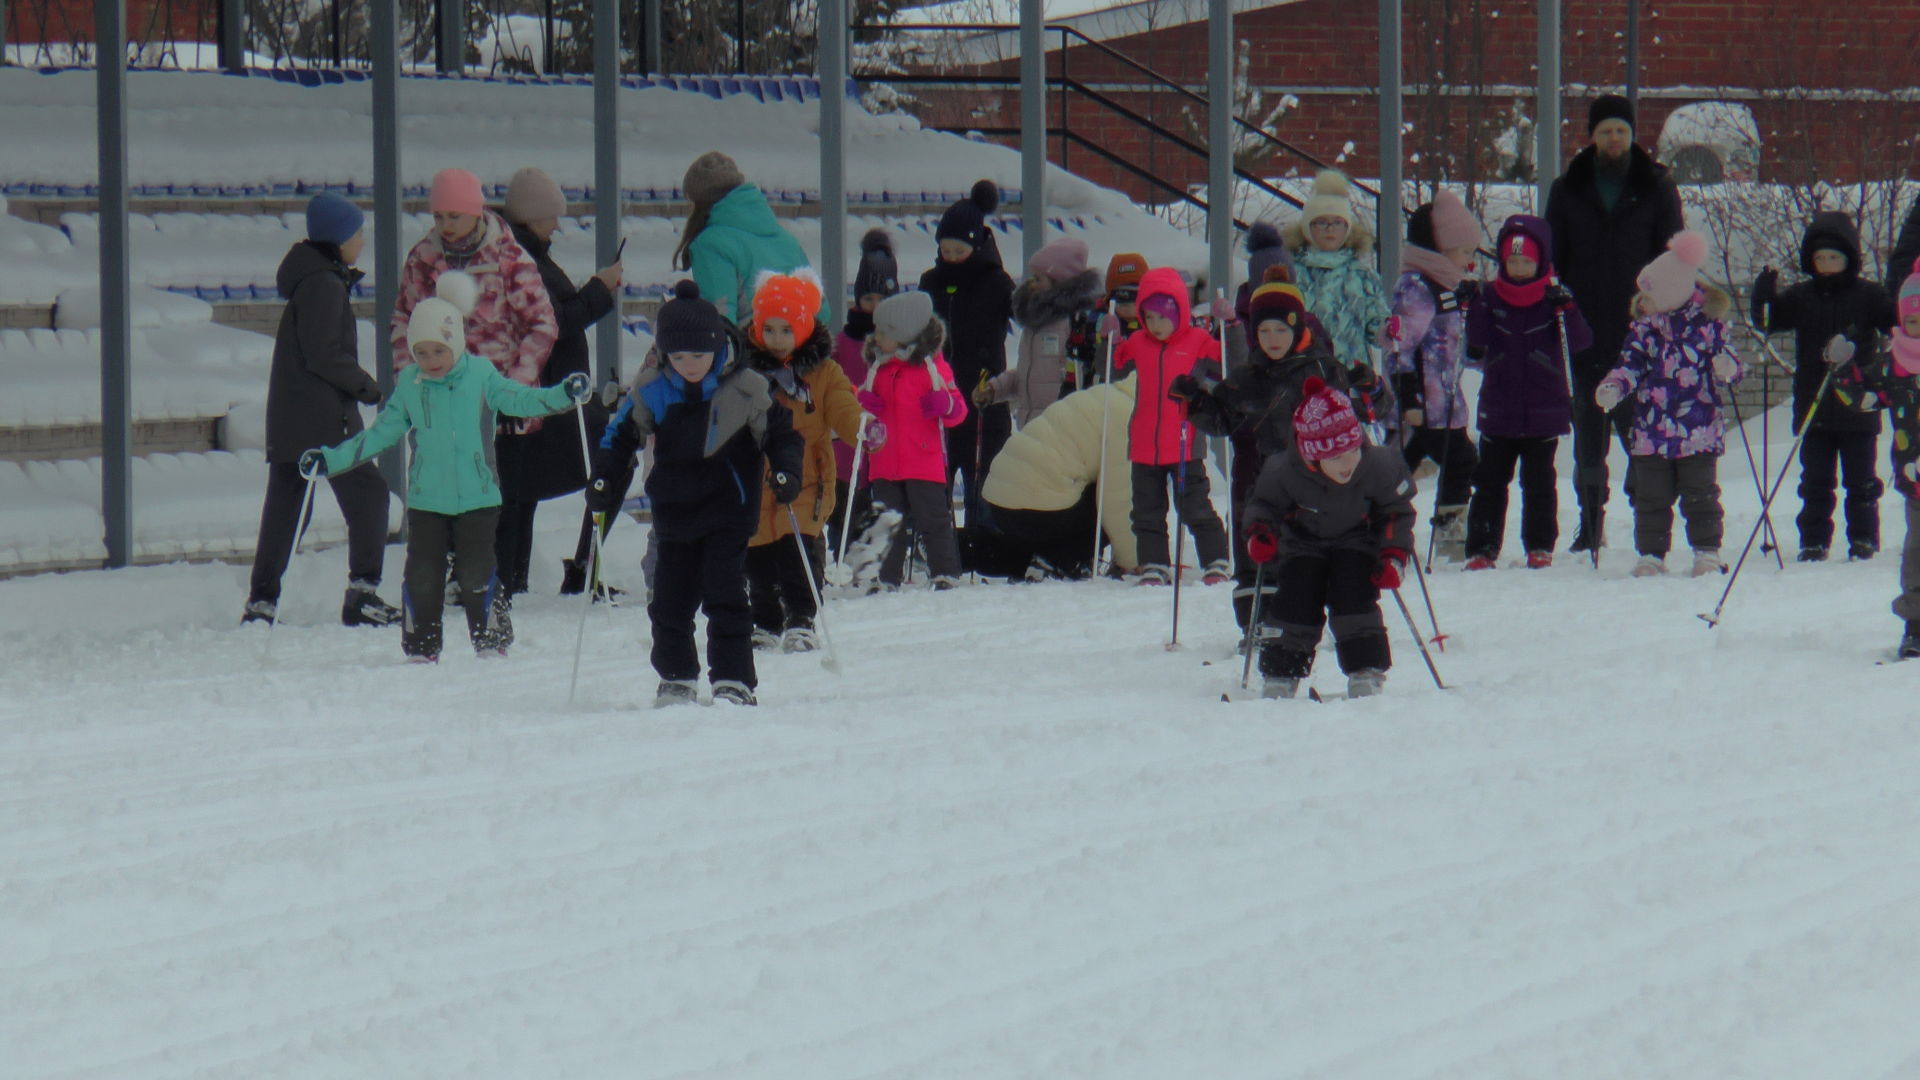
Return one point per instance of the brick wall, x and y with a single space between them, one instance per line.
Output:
72 21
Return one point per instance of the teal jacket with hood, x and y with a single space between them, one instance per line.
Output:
741 238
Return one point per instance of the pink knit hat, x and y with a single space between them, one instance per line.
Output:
1453 226
1669 280
1061 260
1909 302
1324 425
456 191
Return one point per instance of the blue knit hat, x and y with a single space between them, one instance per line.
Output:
332 219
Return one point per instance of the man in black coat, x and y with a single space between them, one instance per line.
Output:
547 464
313 398
1611 212
1834 300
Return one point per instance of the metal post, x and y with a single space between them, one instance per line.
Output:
1033 129
1220 143
116 320
833 156
383 43
233 35
1392 152
606 173
740 36
1633 54
453 36
650 16
3 33
1546 154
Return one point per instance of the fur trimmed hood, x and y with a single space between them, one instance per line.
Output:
808 355
1035 307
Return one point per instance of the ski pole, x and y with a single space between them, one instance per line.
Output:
1179 536
306 517
1253 623
1100 469
1439 638
838 569
1771 543
830 661
593 569
1713 620
1418 640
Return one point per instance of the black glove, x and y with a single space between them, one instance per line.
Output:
1466 291
1766 287
786 487
1558 297
608 488
369 395
312 465
1185 388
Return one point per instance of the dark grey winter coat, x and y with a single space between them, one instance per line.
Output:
547 464
317 380
1599 252
1820 307
1312 515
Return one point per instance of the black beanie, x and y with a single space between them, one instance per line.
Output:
1609 107
687 323
966 220
1420 228
879 272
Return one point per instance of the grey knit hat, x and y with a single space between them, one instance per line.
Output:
711 176
901 318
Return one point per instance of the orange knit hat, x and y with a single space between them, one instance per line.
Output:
794 297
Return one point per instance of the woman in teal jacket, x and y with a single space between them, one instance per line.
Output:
447 400
732 236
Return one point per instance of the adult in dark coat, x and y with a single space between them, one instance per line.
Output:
1906 251
1840 440
973 295
1611 213
313 398
546 463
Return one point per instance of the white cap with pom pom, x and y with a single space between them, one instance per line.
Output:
442 317
1669 280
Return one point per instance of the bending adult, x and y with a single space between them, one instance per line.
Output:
1906 250
1612 212
973 295
510 322
731 236
1041 489
546 464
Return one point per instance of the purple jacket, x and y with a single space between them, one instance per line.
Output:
1426 360
1524 394
1666 373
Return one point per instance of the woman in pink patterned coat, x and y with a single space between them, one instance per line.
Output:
511 322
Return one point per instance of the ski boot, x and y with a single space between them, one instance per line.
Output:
1365 682
1450 533
1707 561
1910 641
1217 573
676 692
1592 535
765 640
1862 550
882 588
259 611
1539 560
1650 566
729 692
363 607
944 583
1483 562
1813 553
1279 687
1155 575
799 639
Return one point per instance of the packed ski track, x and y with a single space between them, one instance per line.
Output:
1018 838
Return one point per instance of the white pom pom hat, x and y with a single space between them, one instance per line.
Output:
442 317
1669 280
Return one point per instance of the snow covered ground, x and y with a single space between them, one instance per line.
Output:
1017 838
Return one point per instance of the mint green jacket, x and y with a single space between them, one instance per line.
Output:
451 420
742 238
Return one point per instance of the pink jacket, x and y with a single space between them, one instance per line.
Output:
1159 427
915 447
512 322
853 361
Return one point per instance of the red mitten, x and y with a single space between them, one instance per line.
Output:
1262 546
1387 575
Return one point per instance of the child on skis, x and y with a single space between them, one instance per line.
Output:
796 355
1161 443
1834 299
716 430
1891 380
877 279
1124 272
1333 518
1425 346
445 398
313 395
1054 309
1519 333
1678 347
1253 406
912 399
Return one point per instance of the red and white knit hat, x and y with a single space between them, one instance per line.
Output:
1324 425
